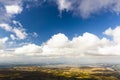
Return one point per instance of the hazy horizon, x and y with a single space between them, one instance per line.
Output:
65 60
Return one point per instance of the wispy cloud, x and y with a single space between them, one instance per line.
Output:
8 11
19 32
2 42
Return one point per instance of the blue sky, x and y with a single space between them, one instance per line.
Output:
59 28
45 21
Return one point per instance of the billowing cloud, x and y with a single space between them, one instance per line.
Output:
115 34
29 49
87 44
85 8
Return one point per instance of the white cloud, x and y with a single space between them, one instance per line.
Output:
9 9
57 41
109 50
2 42
114 33
64 5
29 49
12 37
7 13
85 8
59 44
13 9
87 44
19 32
5 27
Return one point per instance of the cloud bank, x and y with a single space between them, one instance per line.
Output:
59 45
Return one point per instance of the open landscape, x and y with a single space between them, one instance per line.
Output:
60 73
59 39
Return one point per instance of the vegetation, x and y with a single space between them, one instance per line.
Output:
66 73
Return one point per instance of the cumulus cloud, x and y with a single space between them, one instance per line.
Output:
59 44
114 33
87 44
57 41
29 49
85 8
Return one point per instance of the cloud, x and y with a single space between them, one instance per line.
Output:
29 49
2 42
12 37
57 41
5 27
87 44
63 5
9 9
60 45
35 34
86 8
13 9
18 31
114 33
14 29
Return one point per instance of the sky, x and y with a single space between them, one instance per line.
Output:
71 31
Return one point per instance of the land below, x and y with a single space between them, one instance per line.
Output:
61 73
